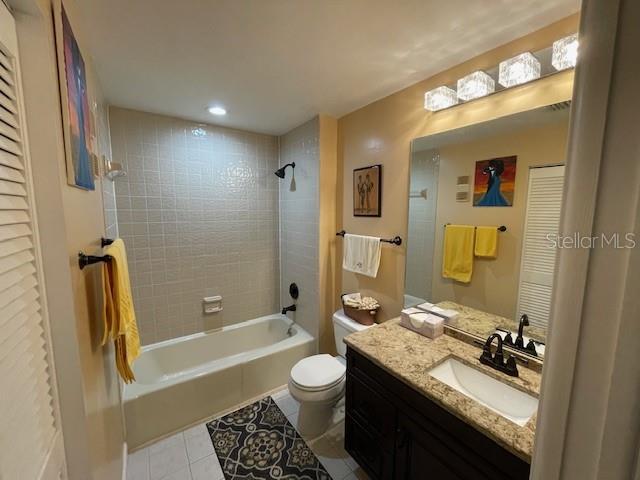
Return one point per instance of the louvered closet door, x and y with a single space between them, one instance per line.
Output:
544 204
30 440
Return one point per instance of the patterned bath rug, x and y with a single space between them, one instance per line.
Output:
258 442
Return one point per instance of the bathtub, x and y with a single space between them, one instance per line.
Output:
189 379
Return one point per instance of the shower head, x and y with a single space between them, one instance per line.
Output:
280 172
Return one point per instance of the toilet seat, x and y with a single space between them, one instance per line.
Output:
317 373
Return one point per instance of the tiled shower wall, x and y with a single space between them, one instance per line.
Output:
198 211
299 216
108 187
422 218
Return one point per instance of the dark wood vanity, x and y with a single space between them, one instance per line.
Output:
394 432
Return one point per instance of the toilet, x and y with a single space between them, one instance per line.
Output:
318 382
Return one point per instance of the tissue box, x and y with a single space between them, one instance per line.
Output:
426 324
409 311
450 316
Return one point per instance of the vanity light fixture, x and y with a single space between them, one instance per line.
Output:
565 52
475 85
217 110
517 70
439 98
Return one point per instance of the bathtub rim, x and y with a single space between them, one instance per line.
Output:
136 390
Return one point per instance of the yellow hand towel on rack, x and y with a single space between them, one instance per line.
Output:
486 242
457 252
118 313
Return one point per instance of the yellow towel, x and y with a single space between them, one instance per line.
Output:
486 242
457 252
118 313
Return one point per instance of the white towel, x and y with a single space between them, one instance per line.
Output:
361 254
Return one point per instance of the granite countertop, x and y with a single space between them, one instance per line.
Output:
483 324
408 356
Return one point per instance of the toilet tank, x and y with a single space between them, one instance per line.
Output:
343 326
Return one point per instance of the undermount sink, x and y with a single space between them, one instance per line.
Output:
503 399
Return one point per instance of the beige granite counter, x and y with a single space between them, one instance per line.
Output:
408 356
482 324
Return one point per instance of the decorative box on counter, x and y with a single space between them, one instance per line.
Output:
419 321
450 316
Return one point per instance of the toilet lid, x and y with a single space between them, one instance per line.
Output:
317 372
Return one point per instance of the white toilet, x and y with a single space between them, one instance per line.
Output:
318 382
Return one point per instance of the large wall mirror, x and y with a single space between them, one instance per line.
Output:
504 176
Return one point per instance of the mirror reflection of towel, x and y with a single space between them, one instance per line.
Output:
457 252
361 254
486 242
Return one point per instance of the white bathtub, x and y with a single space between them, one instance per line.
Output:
184 380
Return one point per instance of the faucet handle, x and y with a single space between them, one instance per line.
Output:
531 348
510 367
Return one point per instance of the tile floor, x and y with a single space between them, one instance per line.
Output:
189 455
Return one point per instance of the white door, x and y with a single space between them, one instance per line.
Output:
544 204
31 444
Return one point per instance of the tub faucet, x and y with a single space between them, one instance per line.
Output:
290 308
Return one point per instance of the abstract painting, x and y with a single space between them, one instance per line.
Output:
495 182
76 115
367 191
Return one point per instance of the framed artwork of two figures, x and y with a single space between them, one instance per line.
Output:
367 191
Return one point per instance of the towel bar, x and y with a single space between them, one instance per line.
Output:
84 260
501 228
395 240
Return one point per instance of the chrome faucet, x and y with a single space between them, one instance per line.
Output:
497 361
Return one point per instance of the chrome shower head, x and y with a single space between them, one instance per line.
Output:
280 172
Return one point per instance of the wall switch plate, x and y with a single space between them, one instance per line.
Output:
463 189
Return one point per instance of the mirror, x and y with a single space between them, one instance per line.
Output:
506 172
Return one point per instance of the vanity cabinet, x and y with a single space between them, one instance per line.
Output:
394 432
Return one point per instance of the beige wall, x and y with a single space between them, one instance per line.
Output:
494 284
382 132
70 220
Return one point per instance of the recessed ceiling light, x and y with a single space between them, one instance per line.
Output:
217 111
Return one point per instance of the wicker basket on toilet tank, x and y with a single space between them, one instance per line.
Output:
363 316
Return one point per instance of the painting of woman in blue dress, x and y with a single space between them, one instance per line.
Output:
494 182
78 128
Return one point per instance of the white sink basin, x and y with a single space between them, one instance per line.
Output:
503 399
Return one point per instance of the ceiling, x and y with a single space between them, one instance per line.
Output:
276 63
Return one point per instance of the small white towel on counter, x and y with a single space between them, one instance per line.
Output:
362 254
